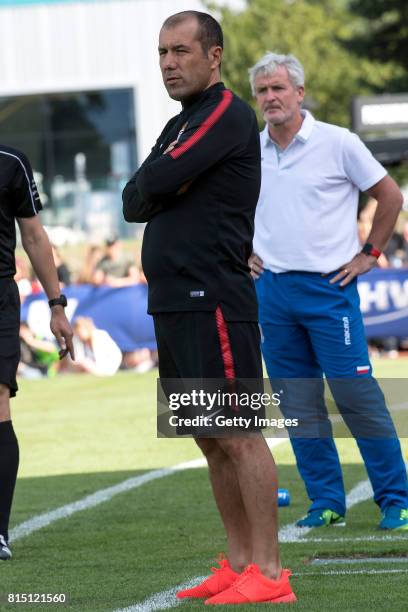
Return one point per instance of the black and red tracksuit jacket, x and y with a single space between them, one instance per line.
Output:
199 203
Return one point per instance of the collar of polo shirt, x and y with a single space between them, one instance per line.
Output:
302 135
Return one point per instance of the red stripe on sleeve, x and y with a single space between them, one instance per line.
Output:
211 120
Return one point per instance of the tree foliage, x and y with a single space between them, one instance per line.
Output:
317 33
383 36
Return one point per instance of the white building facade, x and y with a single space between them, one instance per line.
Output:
81 94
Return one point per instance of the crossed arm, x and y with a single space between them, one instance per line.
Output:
166 176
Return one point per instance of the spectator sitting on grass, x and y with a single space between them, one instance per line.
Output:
39 357
95 351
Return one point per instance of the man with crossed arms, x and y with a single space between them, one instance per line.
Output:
198 191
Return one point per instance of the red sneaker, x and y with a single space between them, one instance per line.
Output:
252 586
221 579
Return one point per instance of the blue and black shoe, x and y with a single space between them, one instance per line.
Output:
395 518
321 518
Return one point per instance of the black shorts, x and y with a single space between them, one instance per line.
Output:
9 333
202 346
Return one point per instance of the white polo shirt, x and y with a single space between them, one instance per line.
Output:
306 217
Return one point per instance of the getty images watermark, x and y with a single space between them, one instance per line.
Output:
294 407
207 411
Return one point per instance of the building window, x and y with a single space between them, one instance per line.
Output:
77 142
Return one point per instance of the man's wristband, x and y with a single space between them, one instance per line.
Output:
59 301
369 249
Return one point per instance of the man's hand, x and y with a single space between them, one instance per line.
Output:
173 144
61 329
255 264
170 147
360 264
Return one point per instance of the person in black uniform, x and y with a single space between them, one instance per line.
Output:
19 200
197 191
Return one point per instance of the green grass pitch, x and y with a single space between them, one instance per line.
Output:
80 434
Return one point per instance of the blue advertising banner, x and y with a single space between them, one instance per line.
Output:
121 312
384 302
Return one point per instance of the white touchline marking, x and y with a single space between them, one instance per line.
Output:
367 538
94 499
358 561
162 600
167 599
351 572
361 492
103 495
290 533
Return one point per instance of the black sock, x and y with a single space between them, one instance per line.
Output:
9 457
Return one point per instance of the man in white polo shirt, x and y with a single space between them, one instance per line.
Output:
306 262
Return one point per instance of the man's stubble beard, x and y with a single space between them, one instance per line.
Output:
285 119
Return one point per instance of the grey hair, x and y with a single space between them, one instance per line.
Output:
271 61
